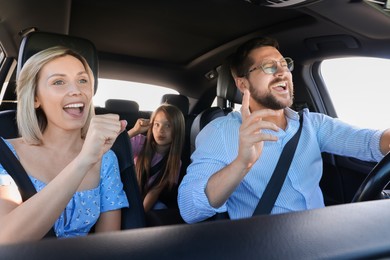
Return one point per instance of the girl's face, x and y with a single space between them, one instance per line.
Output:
162 130
64 93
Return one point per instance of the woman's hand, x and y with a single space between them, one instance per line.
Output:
102 133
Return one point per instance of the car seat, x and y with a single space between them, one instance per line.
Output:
132 217
227 92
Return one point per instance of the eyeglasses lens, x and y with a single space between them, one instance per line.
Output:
271 66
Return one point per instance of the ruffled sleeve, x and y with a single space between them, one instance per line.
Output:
112 195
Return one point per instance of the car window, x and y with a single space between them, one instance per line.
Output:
147 96
2 55
3 85
359 88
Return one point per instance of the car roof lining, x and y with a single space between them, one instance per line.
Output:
188 55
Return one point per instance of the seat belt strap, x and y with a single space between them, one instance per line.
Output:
15 169
267 200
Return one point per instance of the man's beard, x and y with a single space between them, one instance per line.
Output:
266 99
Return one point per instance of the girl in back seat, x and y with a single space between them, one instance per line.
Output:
157 156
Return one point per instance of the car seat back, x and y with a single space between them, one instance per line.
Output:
8 129
228 92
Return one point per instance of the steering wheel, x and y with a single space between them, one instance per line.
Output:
373 186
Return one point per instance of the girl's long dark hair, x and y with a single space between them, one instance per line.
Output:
172 166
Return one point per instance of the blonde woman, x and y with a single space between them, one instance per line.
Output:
65 149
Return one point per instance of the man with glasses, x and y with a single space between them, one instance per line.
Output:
236 155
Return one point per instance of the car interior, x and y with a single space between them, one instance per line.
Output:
183 45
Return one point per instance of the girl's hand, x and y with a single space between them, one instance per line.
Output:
141 126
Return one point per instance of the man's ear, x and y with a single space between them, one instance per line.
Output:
241 83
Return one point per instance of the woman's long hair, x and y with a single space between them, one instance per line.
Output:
172 166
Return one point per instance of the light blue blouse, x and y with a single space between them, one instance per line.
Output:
84 209
217 146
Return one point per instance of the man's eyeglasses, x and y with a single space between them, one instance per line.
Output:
271 66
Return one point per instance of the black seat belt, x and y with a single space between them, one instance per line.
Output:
267 200
15 169
157 168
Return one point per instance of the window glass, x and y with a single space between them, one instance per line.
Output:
359 88
3 85
147 96
2 55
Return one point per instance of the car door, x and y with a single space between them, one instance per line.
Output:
349 88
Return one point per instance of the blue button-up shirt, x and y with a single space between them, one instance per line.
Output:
217 146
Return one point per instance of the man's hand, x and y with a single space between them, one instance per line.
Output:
251 135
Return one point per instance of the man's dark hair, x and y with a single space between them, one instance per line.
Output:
240 61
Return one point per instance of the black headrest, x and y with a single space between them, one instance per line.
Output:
37 41
126 109
180 101
226 86
122 106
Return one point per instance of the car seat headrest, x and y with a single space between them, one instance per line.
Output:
126 109
37 41
180 101
226 86
122 106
